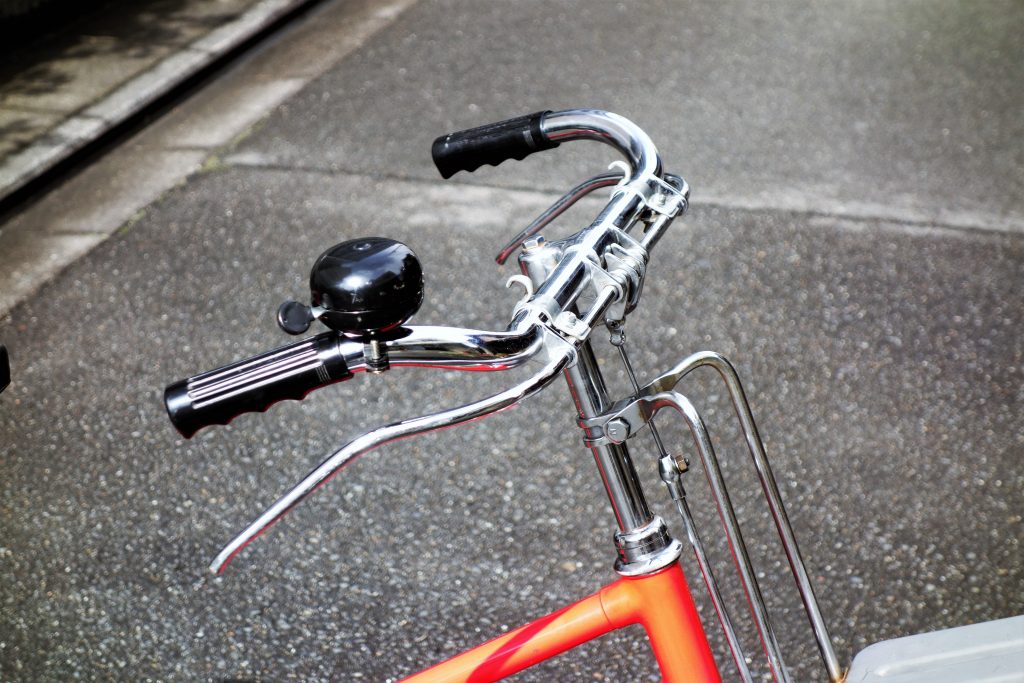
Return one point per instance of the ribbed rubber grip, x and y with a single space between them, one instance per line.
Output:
255 384
468 150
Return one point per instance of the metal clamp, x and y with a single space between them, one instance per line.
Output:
599 276
568 324
605 430
658 196
622 266
668 201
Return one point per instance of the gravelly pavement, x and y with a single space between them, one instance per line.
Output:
887 388
884 361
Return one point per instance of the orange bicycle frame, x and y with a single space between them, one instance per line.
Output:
659 602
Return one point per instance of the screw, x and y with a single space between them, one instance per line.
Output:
376 355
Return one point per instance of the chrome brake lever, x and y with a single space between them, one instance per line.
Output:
559 355
558 208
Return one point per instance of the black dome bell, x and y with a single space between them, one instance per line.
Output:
367 286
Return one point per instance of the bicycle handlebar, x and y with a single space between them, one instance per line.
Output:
601 258
517 138
552 325
292 372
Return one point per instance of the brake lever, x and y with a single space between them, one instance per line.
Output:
559 355
557 209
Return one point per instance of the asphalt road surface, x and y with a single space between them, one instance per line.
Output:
853 247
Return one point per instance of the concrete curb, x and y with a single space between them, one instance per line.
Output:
133 96
82 211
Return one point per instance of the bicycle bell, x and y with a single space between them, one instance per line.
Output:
363 288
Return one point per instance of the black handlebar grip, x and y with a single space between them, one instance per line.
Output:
255 384
468 150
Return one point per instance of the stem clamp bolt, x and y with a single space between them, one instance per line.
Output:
617 430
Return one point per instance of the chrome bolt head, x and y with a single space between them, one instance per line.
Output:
617 430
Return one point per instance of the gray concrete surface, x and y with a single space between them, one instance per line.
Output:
882 356
879 110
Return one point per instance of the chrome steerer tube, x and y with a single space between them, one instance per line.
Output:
558 354
621 481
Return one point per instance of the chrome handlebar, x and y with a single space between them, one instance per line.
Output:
611 129
547 326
